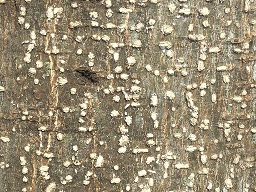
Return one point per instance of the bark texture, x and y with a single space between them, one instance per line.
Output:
127 95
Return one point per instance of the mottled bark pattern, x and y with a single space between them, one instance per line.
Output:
127 95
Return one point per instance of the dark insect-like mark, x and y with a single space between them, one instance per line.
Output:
88 74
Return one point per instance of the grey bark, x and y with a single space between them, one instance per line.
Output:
149 124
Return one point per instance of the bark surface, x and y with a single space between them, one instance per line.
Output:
127 95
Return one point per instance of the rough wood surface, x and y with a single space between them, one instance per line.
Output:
127 95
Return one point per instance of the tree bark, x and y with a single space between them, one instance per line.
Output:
135 95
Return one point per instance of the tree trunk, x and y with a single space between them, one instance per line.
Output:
127 95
